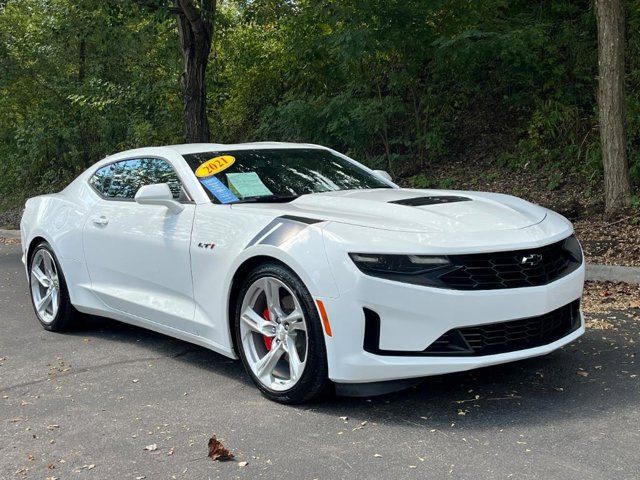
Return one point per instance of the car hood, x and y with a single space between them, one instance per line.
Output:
412 210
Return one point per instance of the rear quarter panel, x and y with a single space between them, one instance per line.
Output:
58 218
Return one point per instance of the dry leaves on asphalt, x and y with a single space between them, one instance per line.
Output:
9 241
604 297
217 451
610 241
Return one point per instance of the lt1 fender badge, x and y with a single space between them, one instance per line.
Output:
208 246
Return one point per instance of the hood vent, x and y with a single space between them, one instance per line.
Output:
421 201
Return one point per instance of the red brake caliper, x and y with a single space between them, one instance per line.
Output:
267 340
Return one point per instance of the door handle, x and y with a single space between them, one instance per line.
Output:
101 220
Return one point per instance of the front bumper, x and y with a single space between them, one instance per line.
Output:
413 317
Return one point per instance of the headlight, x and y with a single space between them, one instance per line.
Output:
387 266
572 246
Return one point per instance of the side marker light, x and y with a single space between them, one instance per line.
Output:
324 318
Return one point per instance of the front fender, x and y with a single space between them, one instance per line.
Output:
221 249
304 254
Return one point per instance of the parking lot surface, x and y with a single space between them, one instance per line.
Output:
86 404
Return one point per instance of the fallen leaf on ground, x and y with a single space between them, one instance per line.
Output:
620 296
9 241
243 464
217 451
359 427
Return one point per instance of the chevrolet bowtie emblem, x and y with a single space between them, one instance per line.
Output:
531 260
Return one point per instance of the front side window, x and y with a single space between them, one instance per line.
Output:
277 174
122 180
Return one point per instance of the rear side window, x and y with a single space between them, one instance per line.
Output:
122 180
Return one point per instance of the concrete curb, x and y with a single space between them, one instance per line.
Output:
613 273
595 273
13 234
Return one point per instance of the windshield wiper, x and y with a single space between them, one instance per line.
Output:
267 199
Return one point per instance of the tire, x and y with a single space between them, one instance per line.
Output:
60 315
287 335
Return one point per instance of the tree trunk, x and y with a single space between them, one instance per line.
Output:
195 29
617 183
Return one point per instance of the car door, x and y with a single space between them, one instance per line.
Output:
138 256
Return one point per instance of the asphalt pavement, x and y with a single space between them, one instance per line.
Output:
85 405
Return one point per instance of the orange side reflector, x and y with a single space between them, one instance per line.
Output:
324 318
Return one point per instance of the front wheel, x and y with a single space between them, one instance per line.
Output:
279 335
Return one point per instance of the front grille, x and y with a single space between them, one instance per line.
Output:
489 339
515 269
508 336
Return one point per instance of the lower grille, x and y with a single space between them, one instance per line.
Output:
489 339
508 336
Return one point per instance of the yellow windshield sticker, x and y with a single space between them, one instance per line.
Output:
215 165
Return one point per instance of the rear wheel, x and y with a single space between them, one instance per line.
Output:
279 335
49 294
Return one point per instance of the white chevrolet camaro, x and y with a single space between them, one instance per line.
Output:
315 270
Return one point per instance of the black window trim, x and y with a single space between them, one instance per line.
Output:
137 157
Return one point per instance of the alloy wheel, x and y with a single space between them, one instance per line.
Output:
273 332
45 286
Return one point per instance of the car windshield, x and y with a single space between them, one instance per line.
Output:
276 175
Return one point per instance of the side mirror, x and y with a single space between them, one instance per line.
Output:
384 174
158 194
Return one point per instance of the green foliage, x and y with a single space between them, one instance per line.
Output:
447 183
395 83
555 181
81 79
420 181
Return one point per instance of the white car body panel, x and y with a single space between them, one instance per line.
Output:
159 288
371 208
173 273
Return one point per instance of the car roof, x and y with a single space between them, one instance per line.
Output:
187 148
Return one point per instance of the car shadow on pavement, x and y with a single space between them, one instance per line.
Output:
595 374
